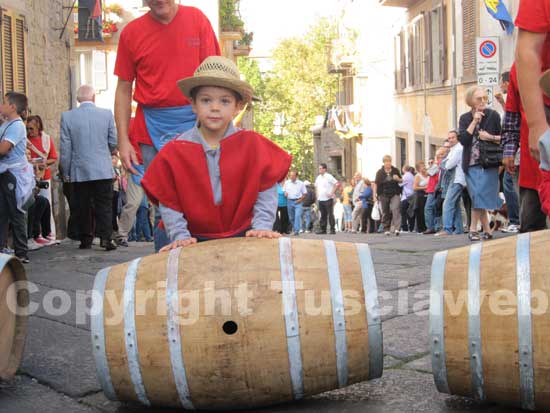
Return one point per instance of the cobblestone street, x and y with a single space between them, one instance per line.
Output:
58 371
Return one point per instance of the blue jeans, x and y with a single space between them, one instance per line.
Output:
306 216
295 215
452 216
148 152
142 224
512 199
432 221
347 213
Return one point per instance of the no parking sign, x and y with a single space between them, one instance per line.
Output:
487 59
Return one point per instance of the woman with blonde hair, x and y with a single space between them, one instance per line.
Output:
479 134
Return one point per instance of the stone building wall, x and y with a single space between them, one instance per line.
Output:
48 61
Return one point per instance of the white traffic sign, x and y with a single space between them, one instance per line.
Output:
488 80
487 56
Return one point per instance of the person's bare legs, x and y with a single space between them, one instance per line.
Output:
484 218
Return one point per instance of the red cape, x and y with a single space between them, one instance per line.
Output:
178 179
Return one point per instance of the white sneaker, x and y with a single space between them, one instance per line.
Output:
512 229
32 245
387 233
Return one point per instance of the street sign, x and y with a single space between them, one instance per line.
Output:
487 60
488 80
490 95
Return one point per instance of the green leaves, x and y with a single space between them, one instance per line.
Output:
296 89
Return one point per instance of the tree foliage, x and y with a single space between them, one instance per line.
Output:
296 90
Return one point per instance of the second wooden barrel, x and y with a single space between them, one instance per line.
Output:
489 321
14 298
237 323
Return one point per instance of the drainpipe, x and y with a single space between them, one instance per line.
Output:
454 103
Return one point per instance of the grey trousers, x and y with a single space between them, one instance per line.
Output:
134 196
391 212
356 216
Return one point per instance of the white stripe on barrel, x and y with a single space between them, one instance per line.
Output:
174 334
291 318
338 316
376 349
437 324
525 335
130 332
98 334
474 325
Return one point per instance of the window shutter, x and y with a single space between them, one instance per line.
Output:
442 42
20 60
410 52
402 47
8 75
469 32
428 52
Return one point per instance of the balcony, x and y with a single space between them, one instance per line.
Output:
399 3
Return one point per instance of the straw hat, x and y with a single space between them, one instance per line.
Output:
545 83
217 71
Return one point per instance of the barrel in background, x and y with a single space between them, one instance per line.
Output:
489 321
13 324
238 360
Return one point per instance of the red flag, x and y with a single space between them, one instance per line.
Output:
96 12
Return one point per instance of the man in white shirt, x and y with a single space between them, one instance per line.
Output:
325 187
452 215
295 192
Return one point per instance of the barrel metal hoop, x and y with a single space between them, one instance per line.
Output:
376 349
174 334
292 325
526 373
474 323
130 334
437 322
98 334
338 313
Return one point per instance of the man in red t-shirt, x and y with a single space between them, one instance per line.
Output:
533 20
156 50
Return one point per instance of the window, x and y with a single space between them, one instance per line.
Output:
415 51
436 45
13 51
419 151
401 148
400 62
433 149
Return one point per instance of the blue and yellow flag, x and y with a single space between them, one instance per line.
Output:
498 10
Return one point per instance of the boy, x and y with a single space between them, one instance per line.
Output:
16 174
215 181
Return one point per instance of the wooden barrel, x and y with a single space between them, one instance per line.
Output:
301 319
13 319
489 321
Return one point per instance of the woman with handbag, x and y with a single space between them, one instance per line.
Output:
479 134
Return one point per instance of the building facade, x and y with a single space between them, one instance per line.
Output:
36 59
436 50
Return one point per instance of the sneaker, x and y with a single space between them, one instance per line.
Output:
512 229
442 234
32 245
109 245
121 242
396 232
333 232
50 237
320 232
24 259
7 251
429 232
387 233
307 231
296 234
474 236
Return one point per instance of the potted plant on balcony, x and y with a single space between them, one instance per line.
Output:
114 8
230 21
109 27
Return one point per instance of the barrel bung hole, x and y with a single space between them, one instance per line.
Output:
230 327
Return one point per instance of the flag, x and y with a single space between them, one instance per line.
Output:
498 10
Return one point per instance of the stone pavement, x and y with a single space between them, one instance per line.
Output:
58 371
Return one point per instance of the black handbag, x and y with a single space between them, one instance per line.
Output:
490 154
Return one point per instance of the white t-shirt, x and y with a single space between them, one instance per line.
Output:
324 184
294 190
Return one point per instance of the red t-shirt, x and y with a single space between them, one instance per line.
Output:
432 183
52 154
529 173
157 55
534 16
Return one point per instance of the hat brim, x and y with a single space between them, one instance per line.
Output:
544 82
189 83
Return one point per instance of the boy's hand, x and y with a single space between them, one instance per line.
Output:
179 243
262 233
